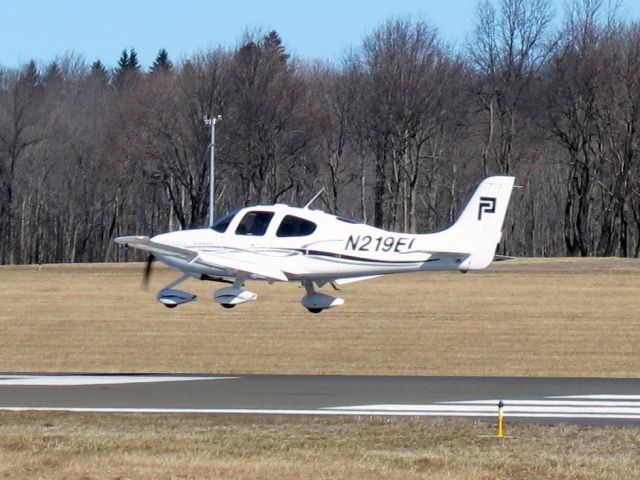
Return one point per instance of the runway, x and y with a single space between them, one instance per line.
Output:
595 401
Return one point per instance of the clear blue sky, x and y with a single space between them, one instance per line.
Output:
322 29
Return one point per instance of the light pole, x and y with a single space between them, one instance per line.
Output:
212 171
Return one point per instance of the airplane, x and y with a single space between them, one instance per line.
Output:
280 243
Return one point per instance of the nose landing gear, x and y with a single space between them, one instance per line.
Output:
171 297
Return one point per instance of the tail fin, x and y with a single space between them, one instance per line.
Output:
478 230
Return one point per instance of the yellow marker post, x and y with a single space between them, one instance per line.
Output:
500 419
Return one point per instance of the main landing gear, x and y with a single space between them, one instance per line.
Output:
316 302
229 297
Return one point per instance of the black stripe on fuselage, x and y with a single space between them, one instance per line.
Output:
320 253
341 256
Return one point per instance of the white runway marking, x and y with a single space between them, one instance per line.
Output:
78 380
600 397
332 411
592 406
546 408
596 406
252 411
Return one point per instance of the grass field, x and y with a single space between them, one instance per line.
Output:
561 317
66 446
528 317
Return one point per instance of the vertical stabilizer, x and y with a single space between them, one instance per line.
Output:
478 230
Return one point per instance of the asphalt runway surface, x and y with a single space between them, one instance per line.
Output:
596 401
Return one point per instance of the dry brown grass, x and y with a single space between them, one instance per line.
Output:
59 446
537 318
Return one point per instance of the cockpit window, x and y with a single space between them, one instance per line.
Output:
295 227
222 224
254 223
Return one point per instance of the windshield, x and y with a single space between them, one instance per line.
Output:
222 224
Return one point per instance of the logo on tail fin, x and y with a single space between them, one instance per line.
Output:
487 205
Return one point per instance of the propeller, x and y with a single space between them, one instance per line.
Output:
146 276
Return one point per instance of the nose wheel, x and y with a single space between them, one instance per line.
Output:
170 297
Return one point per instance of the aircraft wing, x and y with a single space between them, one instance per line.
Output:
251 266
242 266
147 245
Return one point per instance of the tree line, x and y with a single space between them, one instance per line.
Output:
399 132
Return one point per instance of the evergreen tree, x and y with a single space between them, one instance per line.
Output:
162 62
123 61
52 75
29 76
98 74
133 65
273 42
97 68
127 70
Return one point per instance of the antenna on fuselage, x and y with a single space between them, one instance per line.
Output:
313 199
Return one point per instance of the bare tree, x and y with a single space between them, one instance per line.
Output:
408 101
333 103
394 133
19 99
266 114
507 50
581 115
176 138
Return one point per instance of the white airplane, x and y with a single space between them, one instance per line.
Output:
279 243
